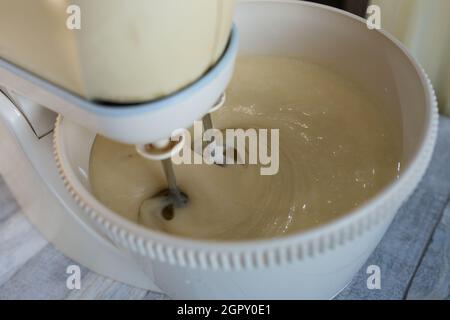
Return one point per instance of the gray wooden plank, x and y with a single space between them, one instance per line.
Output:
39 272
95 287
19 241
400 250
437 178
8 204
432 280
43 276
155 296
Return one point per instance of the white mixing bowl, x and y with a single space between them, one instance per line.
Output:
313 264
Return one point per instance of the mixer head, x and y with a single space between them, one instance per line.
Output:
136 85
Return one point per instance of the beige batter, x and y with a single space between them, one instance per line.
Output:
337 150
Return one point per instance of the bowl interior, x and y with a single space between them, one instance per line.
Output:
324 36
346 45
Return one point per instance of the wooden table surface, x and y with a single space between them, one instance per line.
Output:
414 255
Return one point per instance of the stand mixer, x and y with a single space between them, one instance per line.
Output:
134 110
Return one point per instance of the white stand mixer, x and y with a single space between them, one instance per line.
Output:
313 264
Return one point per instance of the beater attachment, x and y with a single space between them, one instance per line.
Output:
163 150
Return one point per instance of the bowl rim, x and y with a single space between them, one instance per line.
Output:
262 252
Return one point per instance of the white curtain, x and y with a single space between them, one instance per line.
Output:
424 27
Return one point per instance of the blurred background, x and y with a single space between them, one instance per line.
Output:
423 26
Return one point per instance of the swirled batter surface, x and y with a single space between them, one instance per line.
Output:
337 150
